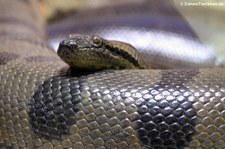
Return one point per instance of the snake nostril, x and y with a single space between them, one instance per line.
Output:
73 46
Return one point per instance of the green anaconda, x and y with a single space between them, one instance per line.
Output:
45 104
92 52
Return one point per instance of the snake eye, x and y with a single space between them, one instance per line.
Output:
97 40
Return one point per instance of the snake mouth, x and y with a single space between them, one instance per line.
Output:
65 51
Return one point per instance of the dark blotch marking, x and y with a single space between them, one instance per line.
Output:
5 57
41 59
54 105
168 122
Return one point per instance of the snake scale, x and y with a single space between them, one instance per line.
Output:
45 104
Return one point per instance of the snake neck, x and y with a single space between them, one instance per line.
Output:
125 51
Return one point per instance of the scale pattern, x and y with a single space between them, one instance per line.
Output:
45 105
147 111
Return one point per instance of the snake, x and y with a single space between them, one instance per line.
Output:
46 104
96 53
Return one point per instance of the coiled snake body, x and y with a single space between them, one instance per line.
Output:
44 104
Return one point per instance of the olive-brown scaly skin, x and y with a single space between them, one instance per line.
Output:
91 52
44 104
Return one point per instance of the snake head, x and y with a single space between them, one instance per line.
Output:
75 43
95 53
79 50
